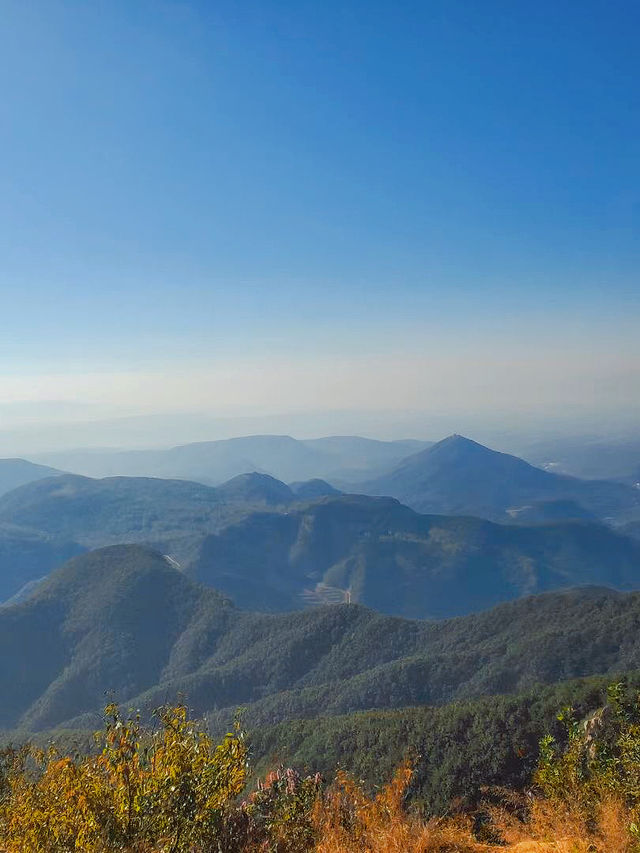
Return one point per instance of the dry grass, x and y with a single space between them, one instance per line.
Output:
347 821
556 828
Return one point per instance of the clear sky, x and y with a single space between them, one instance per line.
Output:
262 207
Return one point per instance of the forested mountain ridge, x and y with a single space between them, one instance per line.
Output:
388 557
459 750
124 619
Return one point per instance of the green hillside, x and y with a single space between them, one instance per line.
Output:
255 488
171 515
458 750
268 549
123 619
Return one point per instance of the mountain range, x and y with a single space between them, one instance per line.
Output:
335 458
124 619
324 586
257 541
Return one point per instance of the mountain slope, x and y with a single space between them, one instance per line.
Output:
457 476
341 659
599 458
105 620
460 749
123 619
367 549
17 472
27 555
386 556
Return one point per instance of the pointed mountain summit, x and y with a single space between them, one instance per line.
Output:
462 477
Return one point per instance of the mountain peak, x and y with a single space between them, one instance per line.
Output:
460 441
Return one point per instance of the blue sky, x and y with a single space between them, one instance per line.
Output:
228 193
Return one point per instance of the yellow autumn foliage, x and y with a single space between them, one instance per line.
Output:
163 791
171 789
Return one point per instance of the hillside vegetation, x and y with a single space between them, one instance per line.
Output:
171 789
29 555
125 619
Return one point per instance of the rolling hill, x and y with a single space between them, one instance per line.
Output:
458 476
124 619
257 489
309 490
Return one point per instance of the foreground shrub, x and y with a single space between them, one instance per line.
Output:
168 790
588 782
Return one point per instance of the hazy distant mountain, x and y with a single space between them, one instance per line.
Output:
17 472
123 619
310 490
589 458
460 476
383 554
344 458
354 457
